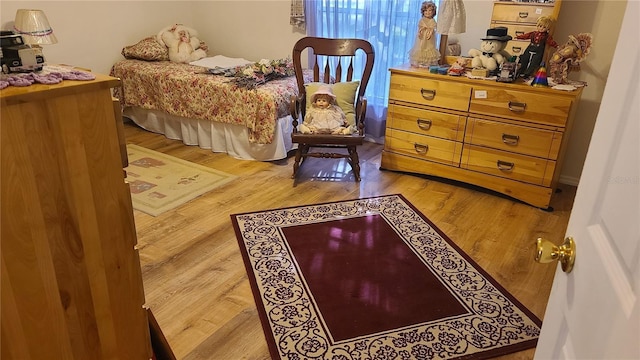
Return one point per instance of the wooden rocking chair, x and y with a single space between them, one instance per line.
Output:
330 57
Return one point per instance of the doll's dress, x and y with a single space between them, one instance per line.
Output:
424 50
325 120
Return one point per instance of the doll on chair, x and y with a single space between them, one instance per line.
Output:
324 116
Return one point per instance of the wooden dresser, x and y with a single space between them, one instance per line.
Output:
521 17
71 278
506 137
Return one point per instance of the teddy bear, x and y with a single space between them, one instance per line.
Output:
491 53
183 43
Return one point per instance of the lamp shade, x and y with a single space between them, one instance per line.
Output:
452 17
34 27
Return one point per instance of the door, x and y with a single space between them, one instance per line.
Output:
593 311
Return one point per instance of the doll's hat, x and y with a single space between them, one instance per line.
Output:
323 90
498 33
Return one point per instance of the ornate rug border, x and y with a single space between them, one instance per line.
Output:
362 348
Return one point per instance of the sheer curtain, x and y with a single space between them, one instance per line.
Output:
389 25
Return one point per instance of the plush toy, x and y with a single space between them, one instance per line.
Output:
568 57
459 67
324 116
183 44
491 54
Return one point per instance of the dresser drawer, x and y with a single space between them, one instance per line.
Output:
516 47
504 164
519 13
423 147
516 29
513 138
418 90
547 109
426 122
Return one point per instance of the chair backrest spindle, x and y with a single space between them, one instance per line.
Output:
327 71
316 69
338 74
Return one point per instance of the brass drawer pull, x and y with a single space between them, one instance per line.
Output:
428 94
424 124
505 165
510 139
518 33
517 106
523 14
421 149
516 49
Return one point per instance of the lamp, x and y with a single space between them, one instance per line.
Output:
34 28
452 19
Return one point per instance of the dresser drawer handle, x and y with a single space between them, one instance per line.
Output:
516 49
518 33
421 149
523 14
424 124
510 139
505 165
428 94
517 106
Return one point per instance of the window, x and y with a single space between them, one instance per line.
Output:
389 25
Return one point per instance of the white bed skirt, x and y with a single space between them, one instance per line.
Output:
219 137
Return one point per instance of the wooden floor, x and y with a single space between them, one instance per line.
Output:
195 281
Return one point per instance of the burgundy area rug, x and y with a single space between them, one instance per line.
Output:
373 279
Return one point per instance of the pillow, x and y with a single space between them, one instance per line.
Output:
345 93
146 49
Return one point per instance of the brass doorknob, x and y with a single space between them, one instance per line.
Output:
547 252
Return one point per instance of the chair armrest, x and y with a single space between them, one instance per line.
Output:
296 103
361 112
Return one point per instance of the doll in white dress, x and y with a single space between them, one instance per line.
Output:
424 52
324 116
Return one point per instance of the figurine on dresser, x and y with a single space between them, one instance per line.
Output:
533 55
424 52
491 53
568 57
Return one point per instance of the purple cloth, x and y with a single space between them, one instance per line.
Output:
51 78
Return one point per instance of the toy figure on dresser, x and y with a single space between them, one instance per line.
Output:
491 53
458 68
508 71
533 54
324 116
569 56
424 52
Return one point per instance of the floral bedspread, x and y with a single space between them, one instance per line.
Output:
191 91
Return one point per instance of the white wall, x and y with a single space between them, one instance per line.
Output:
253 30
92 33
602 19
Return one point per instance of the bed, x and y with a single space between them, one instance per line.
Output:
188 103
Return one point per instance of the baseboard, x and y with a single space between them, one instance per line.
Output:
569 180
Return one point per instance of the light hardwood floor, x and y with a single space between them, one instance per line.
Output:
195 281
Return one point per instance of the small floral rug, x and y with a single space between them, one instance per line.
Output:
373 279
161 182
